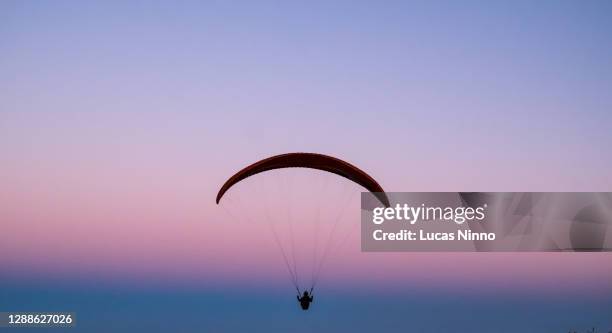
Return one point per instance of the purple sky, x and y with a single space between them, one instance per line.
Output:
120 121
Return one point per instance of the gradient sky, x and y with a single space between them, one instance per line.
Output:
119 122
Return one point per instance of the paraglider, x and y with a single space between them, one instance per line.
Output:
311 161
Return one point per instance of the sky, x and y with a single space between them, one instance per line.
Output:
120 121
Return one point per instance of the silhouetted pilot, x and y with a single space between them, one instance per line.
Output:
305 300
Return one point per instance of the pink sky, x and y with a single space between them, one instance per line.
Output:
159 228
118 124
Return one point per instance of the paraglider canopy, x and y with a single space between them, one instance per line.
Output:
311 161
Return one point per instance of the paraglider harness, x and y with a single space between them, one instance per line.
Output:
305 299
